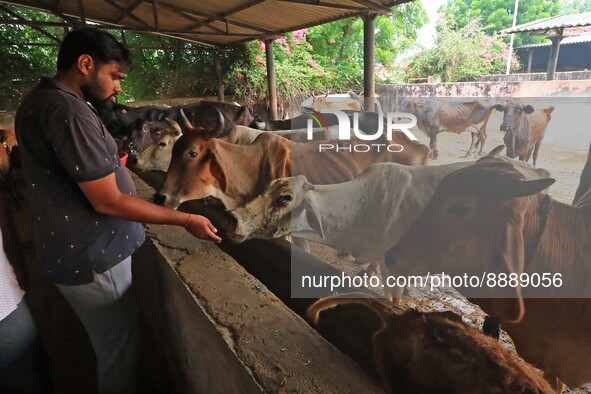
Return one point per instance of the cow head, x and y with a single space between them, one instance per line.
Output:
475 225
144 133
515 126
285 208
156 157
194 170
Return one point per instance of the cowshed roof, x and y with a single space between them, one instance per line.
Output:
216 23
542 26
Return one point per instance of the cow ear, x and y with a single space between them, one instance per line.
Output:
498 107
218 173
313 215
510 255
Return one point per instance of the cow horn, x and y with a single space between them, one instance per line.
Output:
496 151
188 124
220 126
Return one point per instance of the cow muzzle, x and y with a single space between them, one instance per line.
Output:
166 200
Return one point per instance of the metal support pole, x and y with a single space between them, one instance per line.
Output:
271 81
510 54
369 61
218 74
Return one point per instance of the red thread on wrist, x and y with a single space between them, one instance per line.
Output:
188 220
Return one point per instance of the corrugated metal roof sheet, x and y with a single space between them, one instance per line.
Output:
565 41
219 23
554 22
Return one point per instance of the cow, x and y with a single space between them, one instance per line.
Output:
488 218
436 352
119 118
524 128
347 216
202 167
261 111
348 101
157 156
146 133
8 139
456 116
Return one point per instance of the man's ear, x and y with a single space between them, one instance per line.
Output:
85 64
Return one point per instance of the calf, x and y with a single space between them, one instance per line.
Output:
436 352
524 128
487 218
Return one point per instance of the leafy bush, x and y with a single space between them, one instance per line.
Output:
462 55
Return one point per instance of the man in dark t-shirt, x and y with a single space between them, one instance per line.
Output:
87 215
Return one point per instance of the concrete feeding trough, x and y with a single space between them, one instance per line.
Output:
224 330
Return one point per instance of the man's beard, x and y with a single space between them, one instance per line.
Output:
92 91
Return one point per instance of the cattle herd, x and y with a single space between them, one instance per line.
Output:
392 209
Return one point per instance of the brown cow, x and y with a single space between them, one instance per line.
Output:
524 128
487 219
202 167
456 116
436 352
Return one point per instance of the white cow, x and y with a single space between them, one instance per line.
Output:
363 217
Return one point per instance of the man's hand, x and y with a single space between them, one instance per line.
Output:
200 227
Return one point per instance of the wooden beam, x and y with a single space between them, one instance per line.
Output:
127 10
186 14
326 5
56 11
147 47
81 10
155 14
373 6
135 18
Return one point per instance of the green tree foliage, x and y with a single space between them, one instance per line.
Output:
328 57
496 15
574 6
461 55
320 59
23 65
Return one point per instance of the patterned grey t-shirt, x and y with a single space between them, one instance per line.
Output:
63 142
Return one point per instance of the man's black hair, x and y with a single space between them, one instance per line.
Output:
100 45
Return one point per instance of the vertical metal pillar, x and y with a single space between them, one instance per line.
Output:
218 74
553 60
369 61
271 81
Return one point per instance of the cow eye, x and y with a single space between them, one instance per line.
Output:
192 154
162 144
460 210
283 200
